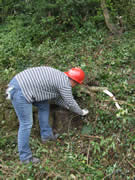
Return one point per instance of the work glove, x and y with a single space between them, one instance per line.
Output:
8 95
85 112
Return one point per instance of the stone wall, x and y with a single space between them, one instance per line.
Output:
61 120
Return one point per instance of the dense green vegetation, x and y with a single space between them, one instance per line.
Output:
63 34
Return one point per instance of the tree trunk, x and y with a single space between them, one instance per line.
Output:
108 22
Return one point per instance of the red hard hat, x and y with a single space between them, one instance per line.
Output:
76 74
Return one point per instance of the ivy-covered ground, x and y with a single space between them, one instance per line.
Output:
104 146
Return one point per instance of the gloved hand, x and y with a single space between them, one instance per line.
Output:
85 112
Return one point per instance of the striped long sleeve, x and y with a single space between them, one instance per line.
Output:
66 95
46 83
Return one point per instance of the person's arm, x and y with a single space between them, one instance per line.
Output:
59 101
67 97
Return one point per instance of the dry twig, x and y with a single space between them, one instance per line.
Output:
88 152
97 137
131 164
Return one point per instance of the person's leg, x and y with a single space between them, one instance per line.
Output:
24 112
43 116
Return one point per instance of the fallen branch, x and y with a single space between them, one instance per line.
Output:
122 102
91 89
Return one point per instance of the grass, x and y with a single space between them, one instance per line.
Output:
74 155
103 147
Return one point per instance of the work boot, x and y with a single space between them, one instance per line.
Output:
33 160
50 138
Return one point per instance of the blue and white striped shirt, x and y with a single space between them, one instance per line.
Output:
46 83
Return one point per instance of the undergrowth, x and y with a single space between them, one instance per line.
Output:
73 156
104 146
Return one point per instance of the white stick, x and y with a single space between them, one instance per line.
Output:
113 97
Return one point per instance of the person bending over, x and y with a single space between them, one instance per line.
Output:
36 86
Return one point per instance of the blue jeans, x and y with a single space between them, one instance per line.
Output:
23 110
